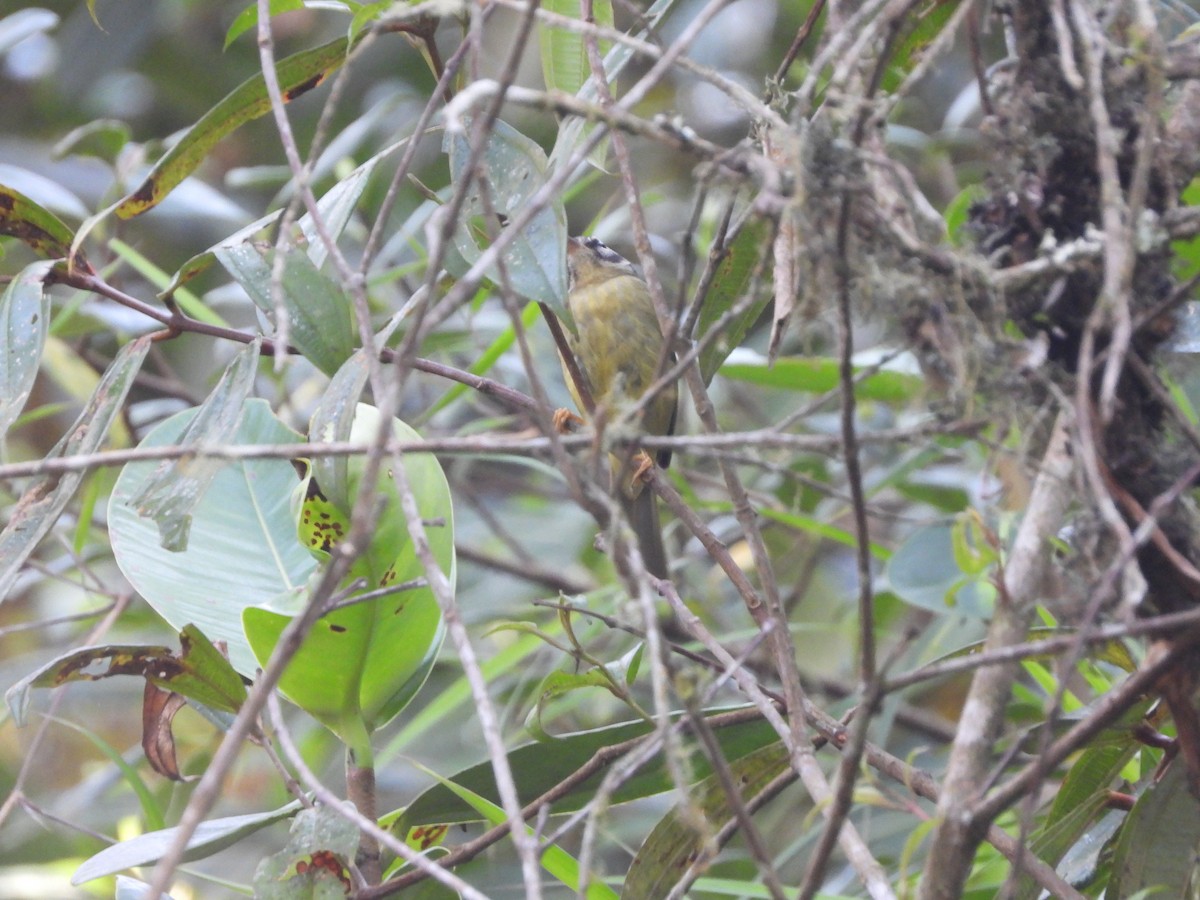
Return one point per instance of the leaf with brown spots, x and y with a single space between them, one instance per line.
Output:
200 672
298 74
43 231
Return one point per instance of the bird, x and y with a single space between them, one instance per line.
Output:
618 344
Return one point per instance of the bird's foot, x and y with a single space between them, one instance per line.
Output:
643 465
565 421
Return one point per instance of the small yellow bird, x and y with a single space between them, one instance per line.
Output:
617 349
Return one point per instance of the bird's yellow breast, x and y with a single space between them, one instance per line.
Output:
618 346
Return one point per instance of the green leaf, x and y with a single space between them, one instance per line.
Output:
822 530
243 537
673 845
210 837
1083 795
819 375
554 859
43 231
333 420
335 206
575 129
729 286
321 325
1156 847
921 29
363 662
248 17
512 168
24 322
922 571
297 75
40 506
564 56
103 139
172 490
285 875
537 767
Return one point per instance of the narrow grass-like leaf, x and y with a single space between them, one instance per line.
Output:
818 375
554 859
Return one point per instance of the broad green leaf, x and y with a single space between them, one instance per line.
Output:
728 289
363 662
923 573
172 490
673 844
539 766
298 74
1083 796
819 375
198 672
243 537
31 224
513 168
321 325
40 506
1157 844
211 837
24 321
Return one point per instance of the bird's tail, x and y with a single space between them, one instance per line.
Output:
642 511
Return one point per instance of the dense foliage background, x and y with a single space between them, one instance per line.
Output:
931 621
